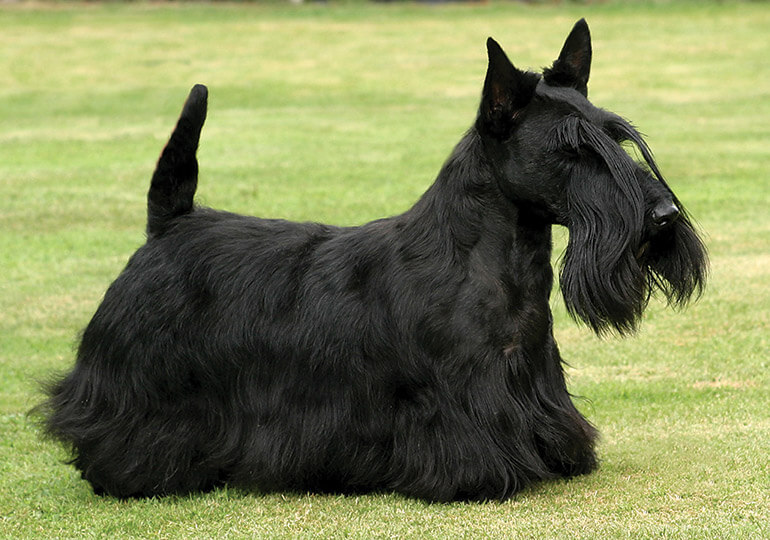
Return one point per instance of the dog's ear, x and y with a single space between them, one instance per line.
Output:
573 66
507 91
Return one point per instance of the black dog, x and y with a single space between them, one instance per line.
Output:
412 354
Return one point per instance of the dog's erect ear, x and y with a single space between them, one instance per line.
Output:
573 66
507 90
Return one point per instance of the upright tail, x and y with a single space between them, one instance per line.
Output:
176 174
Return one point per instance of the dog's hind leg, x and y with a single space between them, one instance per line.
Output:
176 174
129 445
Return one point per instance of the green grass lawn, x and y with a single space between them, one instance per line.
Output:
344 113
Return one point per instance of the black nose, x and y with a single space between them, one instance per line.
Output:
665 214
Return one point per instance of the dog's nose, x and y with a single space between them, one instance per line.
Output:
665 214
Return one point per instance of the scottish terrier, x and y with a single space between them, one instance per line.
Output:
412 354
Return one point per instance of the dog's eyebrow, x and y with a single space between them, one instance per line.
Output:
567 133
622 130
575 131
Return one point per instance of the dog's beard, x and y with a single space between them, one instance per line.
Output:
676 263
607 275
602 282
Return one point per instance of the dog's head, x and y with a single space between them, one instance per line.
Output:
561 160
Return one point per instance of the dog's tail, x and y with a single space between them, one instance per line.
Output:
176 175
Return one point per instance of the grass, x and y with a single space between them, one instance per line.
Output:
344 113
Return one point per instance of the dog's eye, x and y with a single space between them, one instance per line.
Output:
570 152
616 134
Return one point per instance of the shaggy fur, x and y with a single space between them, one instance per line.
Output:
412 354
